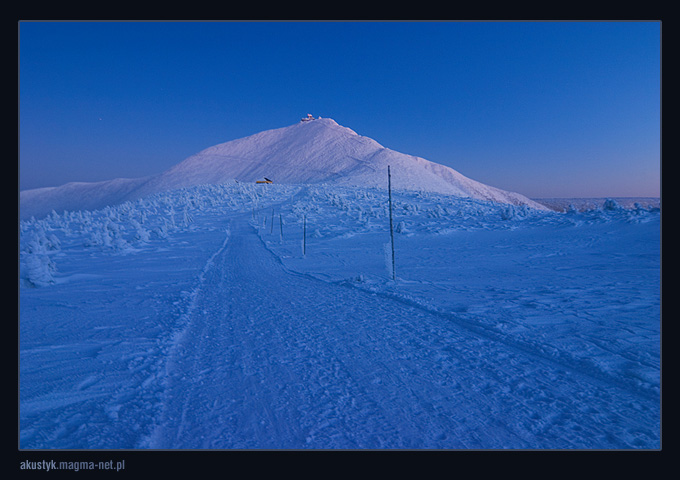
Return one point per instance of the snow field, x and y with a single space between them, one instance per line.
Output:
190 320
99 332
536 278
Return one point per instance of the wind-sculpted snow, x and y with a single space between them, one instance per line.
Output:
194 319
313 152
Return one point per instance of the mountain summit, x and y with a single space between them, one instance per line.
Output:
310 151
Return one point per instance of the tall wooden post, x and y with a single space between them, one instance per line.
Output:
389 190
281 226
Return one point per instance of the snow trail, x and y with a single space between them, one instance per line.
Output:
269 359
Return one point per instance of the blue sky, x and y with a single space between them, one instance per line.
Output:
547 109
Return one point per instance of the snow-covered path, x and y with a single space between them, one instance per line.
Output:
273 359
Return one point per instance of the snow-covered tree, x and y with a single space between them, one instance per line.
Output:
186 217
40 270
141 234
610 205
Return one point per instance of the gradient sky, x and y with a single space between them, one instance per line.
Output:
546 109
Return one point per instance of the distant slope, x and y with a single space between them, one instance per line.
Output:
77 196
316 151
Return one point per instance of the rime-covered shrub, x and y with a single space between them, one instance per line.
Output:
141 234
508 213
511 212
41 242
611 205
186 217
40 270
118 242
163 230
171 217
401 228
436 212
95 238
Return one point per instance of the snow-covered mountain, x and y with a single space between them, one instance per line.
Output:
309 152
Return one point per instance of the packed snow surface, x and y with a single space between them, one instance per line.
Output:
311 152
265 317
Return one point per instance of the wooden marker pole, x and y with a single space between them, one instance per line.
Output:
304 235
389 190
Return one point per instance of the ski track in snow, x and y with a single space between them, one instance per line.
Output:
269 359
